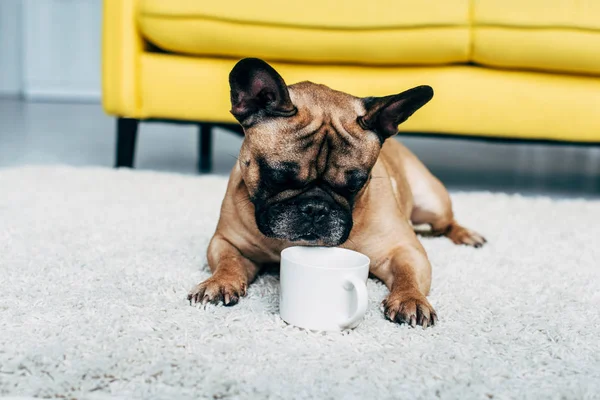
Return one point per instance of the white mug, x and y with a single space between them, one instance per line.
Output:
323 288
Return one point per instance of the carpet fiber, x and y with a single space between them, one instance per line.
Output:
95 265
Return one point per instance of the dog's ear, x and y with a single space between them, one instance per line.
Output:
384 114
257 90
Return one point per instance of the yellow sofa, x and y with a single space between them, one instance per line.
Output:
505 69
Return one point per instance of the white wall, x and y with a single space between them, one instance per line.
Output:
62 48
10 47
50 49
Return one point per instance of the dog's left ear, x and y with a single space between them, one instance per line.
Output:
258 91
384 114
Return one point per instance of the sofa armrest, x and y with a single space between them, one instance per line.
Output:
122 46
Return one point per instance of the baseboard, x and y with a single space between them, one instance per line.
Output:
62 95
9 92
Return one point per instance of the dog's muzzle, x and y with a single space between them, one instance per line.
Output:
317 220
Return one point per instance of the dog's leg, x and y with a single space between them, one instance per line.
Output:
458 234
432 206
407 273
232 272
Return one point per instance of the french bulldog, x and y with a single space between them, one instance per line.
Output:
317 168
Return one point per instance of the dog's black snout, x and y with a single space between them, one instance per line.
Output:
315 210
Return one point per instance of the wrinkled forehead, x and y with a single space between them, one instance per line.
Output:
323 102
322 113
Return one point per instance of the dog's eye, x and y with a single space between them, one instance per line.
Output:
351 190
355 180
278 180
284 174
279 175
348 189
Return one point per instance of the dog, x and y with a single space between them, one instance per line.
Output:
316 168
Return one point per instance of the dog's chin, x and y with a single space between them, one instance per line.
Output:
313 240
308 239
316 242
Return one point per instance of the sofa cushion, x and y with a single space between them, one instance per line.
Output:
468 100
550 35
382 32
567 14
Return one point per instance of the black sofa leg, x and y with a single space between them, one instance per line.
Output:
126 137
205 148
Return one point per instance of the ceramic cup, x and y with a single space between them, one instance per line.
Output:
323 288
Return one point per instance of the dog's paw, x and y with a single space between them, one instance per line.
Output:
461 235
218 289
409 307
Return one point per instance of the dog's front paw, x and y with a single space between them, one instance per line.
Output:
217 289
409 307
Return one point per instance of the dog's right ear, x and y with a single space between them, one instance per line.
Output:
384 114
257 91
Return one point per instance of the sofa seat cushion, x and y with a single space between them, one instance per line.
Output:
383 32
549 35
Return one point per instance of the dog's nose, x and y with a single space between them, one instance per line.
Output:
316 211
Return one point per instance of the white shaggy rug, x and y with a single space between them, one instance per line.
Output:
95 265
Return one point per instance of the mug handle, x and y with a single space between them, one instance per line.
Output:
363 300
